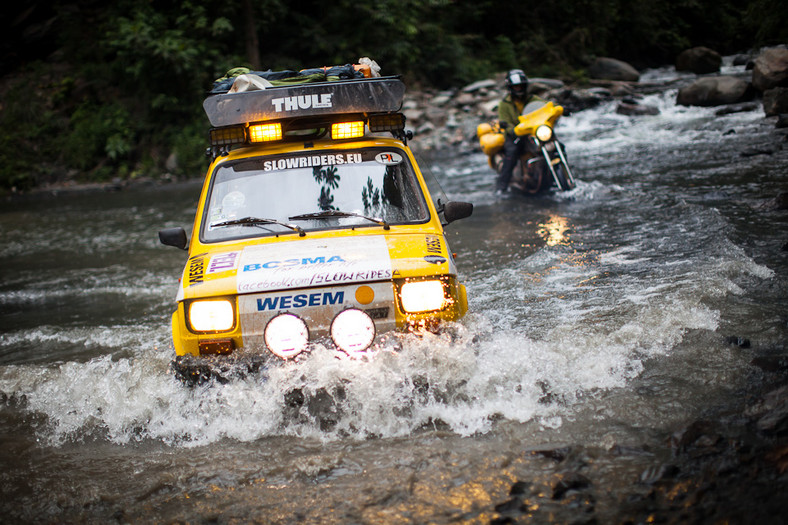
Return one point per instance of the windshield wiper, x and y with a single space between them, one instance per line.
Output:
257 221
336 213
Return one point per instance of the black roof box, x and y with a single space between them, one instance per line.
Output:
367 95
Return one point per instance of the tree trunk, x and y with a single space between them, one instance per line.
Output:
251 40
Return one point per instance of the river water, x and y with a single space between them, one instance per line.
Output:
599 317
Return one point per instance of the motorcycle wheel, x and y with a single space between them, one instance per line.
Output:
534 178
530 182
562 178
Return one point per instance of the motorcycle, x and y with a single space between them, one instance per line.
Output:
543 165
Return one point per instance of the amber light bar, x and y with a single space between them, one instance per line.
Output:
265 132
389 122
347 130
227 136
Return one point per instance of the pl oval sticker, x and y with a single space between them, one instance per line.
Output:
388 158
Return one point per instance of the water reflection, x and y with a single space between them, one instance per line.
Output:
555 231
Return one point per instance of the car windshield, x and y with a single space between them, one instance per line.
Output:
312 191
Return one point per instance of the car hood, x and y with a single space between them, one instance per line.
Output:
315 262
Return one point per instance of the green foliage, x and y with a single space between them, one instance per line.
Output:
768 21
97 132
28 130
124 93
189 143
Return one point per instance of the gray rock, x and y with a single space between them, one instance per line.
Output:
636 110
737 108
490 107
172 165
563 482
659 472
436 115
605 68
578 99
464 99
715 91
699 60
476 86
741 60
770 69
413 115
551 83
775 101
440 100
427 127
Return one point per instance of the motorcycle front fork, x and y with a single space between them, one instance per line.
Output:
551 162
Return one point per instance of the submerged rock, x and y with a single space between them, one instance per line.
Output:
635 109
737 108
563 482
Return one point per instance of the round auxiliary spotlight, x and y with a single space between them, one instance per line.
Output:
286 335
352 331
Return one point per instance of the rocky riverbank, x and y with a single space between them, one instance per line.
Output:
448 119
730 466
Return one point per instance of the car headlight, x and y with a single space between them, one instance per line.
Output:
422 296
544 133
215 315
352 331
286 335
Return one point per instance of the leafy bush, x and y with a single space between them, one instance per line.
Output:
122 90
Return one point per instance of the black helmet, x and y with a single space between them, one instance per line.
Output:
517 82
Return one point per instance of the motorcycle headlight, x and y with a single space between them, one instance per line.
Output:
544 133
286 335
422 296
214 315
352 331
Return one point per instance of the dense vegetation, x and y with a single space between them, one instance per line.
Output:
94 90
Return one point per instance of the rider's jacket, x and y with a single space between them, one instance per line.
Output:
510 109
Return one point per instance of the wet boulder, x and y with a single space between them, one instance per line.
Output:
563 482
480 85
578 99
545 84
633 108
741 59
736 108
699 60
775 101
715 91
605 68
770 69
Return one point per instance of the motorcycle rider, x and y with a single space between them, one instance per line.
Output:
509 109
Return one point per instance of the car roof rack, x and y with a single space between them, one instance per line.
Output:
360 96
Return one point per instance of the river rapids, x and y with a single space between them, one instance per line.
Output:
601 319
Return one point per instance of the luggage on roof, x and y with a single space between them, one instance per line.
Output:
362 95
366 68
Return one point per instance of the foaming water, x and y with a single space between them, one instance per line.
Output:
599 317
571 294
462 382
578 312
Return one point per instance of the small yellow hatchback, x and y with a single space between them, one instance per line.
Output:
315 224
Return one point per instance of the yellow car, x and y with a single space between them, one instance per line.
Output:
315 224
